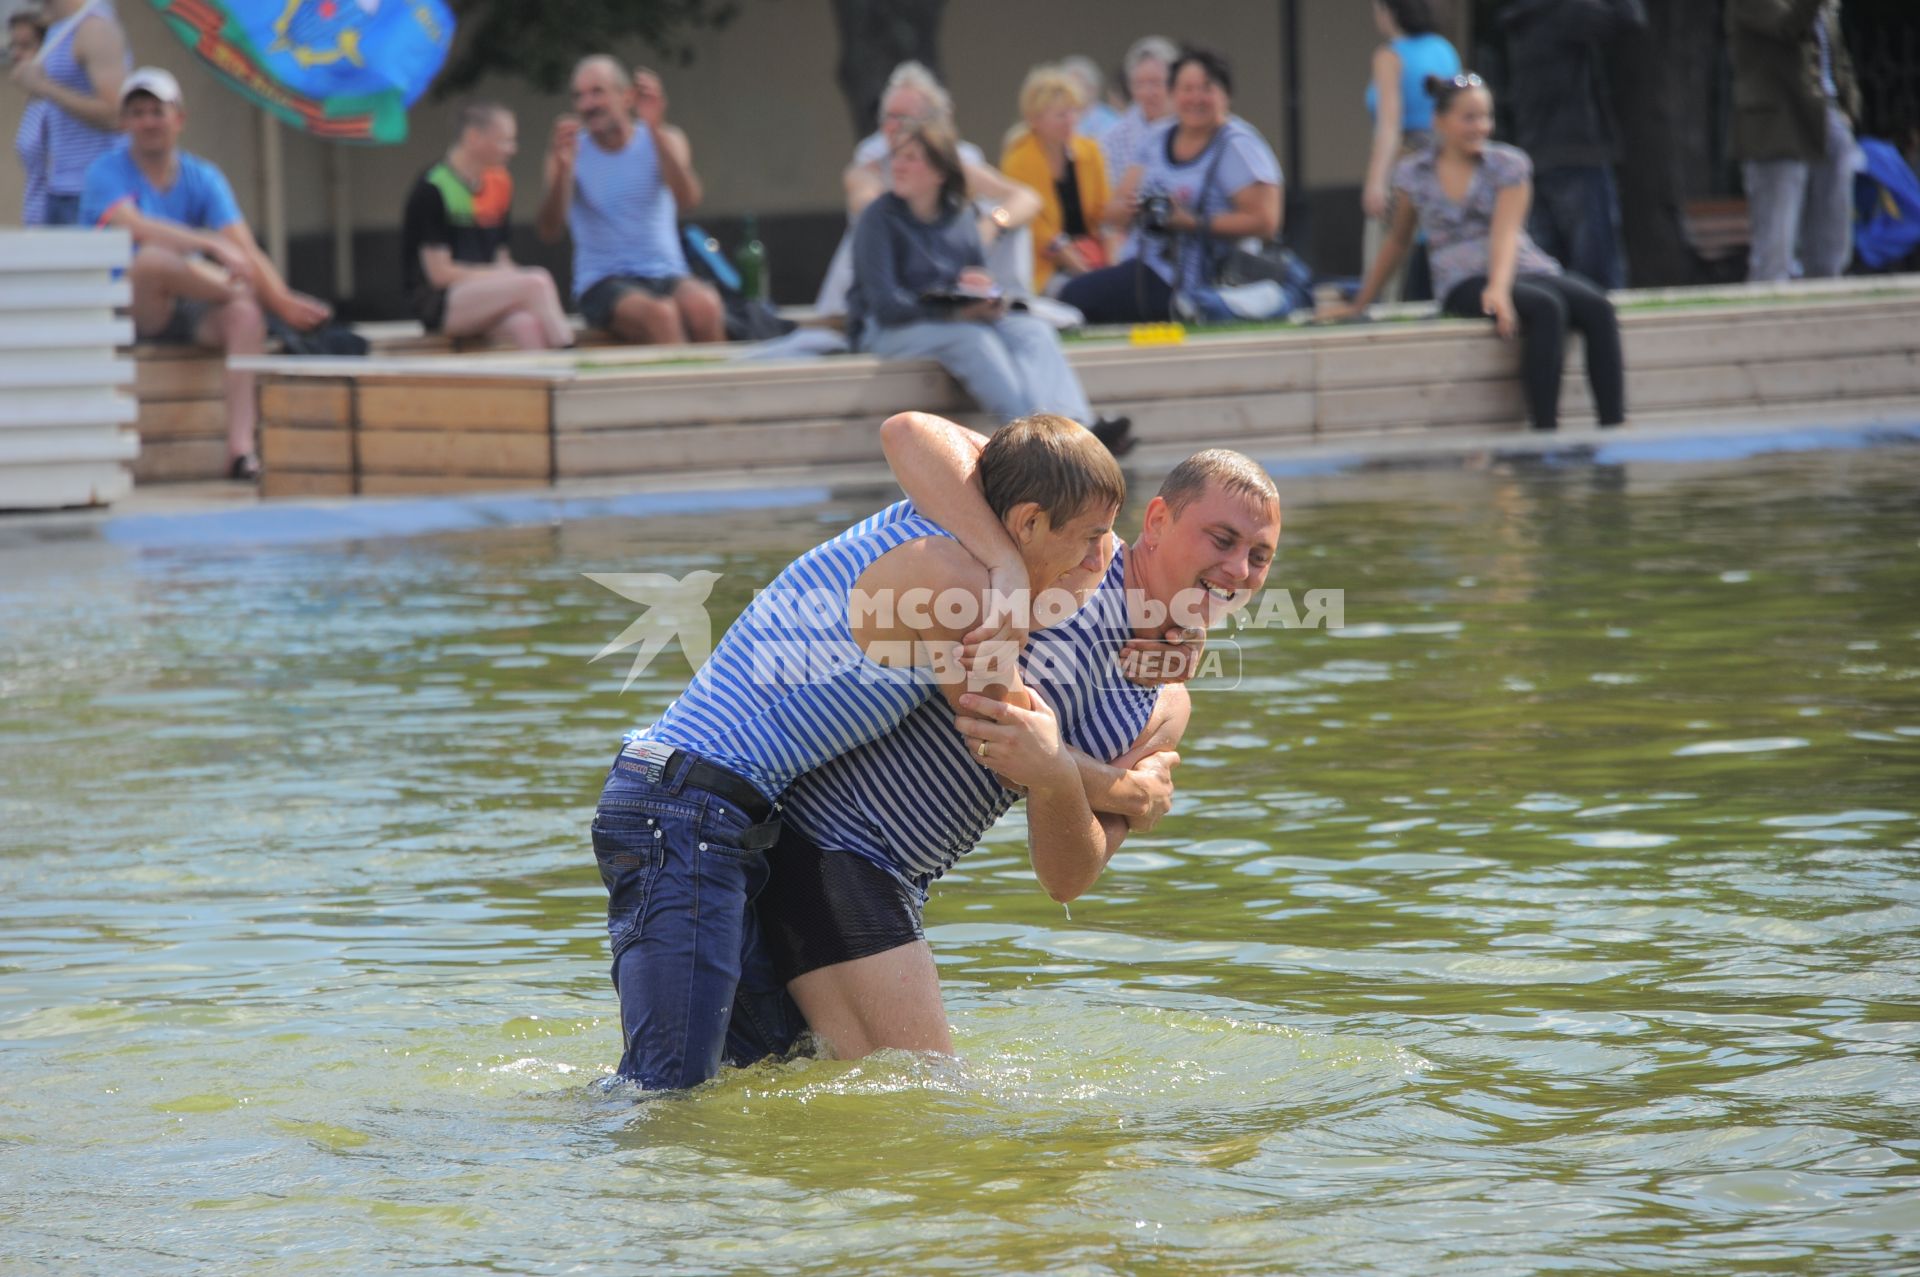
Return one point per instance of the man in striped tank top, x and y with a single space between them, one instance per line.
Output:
820 662
77 75
867 832
620 191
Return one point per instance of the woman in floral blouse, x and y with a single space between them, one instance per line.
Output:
1470 196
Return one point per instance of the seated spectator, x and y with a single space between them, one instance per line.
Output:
198 277
1097 116
454 256
1069 174
1146 66
1005 207
77 75
24 36
921 290
620 193
1206 178
1470 196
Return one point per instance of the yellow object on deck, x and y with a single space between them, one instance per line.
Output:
1157 334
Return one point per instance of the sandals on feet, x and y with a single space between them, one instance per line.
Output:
245 468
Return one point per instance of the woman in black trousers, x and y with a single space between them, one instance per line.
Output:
1470 196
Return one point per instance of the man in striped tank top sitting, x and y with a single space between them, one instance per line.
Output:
866 833
619 190
820 662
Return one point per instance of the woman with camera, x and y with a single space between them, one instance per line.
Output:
921 289
1206 179
1470 196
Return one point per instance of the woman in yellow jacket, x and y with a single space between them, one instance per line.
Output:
1068 173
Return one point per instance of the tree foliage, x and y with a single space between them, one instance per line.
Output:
540 42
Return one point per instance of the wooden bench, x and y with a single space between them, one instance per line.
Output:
1719 232
419 425
182 394
181 390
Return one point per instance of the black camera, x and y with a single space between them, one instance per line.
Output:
1155 214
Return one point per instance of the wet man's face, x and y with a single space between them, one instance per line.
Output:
1072 555
1211 557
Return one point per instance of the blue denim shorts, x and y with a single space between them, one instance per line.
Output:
697 987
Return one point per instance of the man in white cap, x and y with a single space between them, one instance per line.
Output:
198 276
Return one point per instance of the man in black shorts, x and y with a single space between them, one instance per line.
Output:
454 259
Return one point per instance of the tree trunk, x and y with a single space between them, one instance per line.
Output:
1666 90
875 37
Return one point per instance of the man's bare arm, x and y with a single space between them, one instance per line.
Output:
100 49
1138 785
895 619
937 464
863 184
556 195
676 167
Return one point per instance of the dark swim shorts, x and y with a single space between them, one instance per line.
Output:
823 907
597 303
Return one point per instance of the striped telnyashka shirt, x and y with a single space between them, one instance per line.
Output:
787 687
73 144
916 800
623 219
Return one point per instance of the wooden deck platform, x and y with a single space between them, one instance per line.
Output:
500 421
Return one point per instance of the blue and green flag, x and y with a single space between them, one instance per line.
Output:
341 69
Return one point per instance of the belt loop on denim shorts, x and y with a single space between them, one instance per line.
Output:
678 766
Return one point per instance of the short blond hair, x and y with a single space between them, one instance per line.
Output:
1045 87
1235 472
1052 461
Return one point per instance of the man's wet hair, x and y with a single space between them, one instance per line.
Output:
1054 462
1235 472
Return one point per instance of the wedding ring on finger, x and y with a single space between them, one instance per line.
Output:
982 751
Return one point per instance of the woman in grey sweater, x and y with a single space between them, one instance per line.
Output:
921 290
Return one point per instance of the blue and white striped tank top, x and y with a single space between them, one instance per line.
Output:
623 219
787 686
916 800
73 144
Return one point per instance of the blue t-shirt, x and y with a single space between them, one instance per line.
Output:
199 197
1420 57
1244 159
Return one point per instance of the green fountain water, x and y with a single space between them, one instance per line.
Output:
1558 914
